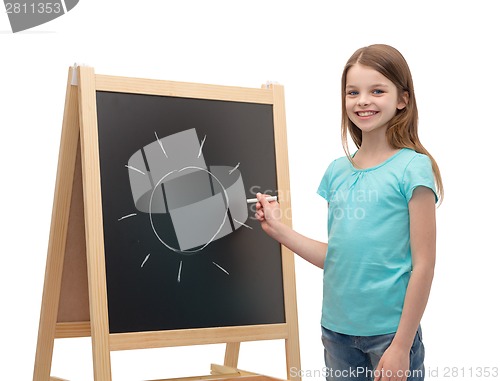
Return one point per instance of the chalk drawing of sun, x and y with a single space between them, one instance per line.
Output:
169 179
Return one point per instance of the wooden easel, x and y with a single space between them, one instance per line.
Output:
74 301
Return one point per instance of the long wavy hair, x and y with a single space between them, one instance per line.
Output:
402 131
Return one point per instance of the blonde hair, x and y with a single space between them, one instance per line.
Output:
402 131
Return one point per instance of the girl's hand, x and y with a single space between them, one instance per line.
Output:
393 366
268 214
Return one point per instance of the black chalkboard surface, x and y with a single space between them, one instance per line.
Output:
159 276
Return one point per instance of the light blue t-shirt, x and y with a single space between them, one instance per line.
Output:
368 263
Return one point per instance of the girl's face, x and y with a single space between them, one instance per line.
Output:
371 99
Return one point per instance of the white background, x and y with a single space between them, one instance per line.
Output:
451 47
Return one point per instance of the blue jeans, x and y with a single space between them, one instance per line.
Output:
350 358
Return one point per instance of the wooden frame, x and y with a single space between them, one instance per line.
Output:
78 307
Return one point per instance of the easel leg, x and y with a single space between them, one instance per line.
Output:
232 354
293 358
58 234
93 225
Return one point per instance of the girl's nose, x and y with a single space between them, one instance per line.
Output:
363 100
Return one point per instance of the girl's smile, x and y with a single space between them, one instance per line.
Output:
366 114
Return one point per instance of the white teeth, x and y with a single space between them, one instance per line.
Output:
366 113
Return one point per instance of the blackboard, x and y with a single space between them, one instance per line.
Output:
134 258
152 282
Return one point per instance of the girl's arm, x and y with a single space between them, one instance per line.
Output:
423 251
269 215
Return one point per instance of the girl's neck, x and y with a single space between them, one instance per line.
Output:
374 150
375 142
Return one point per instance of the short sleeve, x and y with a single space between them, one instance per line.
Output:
324 189
418 173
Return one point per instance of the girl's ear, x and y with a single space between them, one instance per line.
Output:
403 101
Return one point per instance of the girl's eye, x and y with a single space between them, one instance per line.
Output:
352 93
378 92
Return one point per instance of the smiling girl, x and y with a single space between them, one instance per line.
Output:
379 260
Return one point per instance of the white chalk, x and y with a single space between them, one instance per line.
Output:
145 259
220 267
179 273
268 198
127 216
